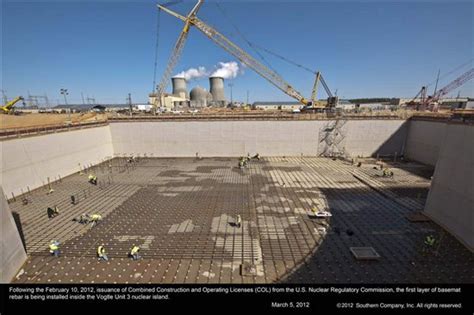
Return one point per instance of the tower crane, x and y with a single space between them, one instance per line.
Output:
223 42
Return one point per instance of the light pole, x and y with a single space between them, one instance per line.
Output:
64 93
231 99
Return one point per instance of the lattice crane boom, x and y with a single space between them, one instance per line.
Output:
177 50
454 84
241 55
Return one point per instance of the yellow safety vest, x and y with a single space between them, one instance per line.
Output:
96 217
135 250
100 250
430 241
53 247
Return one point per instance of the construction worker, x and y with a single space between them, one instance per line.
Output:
95 218
84 218
239 221
387 173
241 163
52 212
430 241
101 253
93 179
73 199
54 248
134 252
256 156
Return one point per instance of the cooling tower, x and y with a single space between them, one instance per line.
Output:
199 97
179 87
217 89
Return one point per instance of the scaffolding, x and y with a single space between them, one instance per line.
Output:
331 138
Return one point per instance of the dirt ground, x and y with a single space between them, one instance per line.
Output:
31 120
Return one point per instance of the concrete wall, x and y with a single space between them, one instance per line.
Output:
424 141
215 138
30 161
12 253
269 138
451 198
370 137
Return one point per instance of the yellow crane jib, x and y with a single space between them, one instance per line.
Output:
7 108
177 50
239 53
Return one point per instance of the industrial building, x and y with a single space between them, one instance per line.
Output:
285 106
198 97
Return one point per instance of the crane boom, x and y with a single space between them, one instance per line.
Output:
9 106
454 84
241 55
177 50
314 93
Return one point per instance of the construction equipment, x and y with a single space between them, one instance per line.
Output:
223 42
332 100
8 108
432 102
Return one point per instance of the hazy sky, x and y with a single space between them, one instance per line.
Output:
106 49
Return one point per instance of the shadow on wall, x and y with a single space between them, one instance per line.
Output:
392 151
395 144
362 218
16 217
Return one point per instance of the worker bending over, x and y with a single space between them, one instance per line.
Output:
134 253
95 219
101 253
430 241
83 219
93 179
52 212
387 173
54 248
